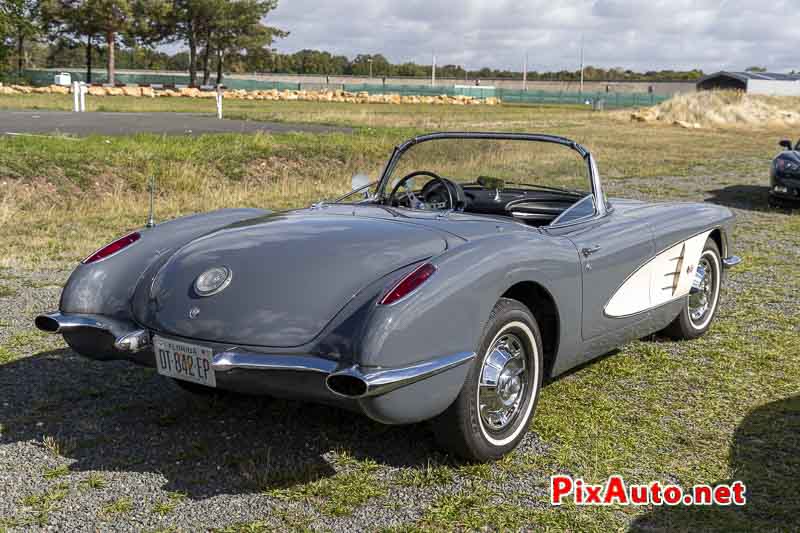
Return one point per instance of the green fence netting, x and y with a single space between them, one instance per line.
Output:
599 99
45 77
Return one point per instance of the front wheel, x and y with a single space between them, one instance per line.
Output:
490 416
700 307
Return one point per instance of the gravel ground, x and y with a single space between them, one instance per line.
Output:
88 446
216 461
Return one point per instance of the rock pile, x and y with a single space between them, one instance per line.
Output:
271 94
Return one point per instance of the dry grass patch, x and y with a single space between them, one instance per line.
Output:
726 109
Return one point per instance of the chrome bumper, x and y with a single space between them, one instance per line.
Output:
343 381
241 360
352 381
127 336
359 382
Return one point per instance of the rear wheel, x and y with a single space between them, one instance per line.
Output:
700 307
492 413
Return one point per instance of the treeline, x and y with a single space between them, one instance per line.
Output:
213 31
217 36
67 54
320 62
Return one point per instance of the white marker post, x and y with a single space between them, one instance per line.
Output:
83 89
219 102
76 97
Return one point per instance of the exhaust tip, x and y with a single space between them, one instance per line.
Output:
346 385
47 323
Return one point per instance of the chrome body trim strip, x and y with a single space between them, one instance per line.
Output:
731 261
378 381
239 359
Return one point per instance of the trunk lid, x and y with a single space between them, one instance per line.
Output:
291 274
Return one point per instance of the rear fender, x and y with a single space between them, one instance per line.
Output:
448 313
106 286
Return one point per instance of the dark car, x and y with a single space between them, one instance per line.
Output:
784 183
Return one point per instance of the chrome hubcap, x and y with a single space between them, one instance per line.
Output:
701 300
504 375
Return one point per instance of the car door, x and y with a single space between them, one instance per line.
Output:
610 249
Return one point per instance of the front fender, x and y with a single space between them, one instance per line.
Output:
106 287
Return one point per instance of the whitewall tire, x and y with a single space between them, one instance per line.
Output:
494 409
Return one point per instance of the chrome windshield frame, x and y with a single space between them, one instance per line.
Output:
601 207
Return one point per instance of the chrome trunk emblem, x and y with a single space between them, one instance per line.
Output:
212 281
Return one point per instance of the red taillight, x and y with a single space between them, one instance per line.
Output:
112 248
408 284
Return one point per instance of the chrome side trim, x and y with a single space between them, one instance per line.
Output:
377 381
236 359
731 261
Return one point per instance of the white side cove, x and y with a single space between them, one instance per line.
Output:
666 277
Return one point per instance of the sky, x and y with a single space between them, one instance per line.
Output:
636 34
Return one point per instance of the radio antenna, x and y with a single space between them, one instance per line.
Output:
152 188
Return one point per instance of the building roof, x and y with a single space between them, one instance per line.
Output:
744 76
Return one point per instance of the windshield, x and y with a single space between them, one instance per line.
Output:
497 164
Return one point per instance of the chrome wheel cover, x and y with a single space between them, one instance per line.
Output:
702 302
503 382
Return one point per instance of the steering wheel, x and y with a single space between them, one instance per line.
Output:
432 197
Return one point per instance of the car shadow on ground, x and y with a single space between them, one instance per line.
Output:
119 417
764 456
749 197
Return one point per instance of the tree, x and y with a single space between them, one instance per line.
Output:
756 69
380 65
21 20
238 27
69 22
113 18
189 22
5 34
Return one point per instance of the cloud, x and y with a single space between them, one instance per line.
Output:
638 34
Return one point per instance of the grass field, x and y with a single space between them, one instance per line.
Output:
724 407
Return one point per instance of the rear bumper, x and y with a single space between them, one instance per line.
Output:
402 394
791 195
785 188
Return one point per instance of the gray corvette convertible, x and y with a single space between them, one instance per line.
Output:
476 267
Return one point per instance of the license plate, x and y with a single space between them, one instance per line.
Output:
181 360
